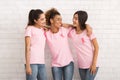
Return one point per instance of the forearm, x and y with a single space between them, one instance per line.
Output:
95 56
27 51
67 25
27 57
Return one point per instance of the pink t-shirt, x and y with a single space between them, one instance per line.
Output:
37 44
59 47
84 47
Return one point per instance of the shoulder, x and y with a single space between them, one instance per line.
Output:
72 30
29 27
47 32
65 29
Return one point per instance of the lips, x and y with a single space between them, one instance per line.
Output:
74 24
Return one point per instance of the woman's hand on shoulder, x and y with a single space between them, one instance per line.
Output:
46 28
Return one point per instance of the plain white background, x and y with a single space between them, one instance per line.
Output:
103 17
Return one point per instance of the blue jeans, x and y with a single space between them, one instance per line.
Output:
38 72
85 74
66 72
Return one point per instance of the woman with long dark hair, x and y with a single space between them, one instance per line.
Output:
35 45
86 46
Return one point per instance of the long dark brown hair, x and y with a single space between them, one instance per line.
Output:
82 18
34 15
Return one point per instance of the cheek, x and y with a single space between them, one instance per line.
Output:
76 21
56 22
39 23
42 22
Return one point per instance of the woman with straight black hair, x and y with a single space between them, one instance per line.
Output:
35 45
86 46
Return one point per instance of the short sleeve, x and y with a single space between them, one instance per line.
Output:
70 32
92 36
45 33
28 31
66 31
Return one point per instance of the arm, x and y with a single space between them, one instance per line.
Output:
67 25
95 55
89 29
46 28
27 54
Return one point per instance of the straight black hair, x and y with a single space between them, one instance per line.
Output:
34 15
82 18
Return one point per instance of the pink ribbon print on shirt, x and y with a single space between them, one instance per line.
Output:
82 39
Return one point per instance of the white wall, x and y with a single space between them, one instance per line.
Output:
103 17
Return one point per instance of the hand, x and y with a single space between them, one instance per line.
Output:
28 70
45 28
93 69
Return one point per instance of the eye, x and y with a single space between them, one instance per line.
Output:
42 19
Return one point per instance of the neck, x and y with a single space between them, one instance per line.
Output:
38 26
54 29
78 30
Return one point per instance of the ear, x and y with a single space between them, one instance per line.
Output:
35 21
51 20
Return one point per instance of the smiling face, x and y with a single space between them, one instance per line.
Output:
41 21
56 21
75 20
79 19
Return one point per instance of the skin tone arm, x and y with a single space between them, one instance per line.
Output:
67 25
27 55
46 28
95 55
88 28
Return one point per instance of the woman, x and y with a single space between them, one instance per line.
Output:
86 47
57 39
34 46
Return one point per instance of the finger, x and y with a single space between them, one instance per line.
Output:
91 71
29 73
94 71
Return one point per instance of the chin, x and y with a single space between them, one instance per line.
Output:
59 27
74 25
